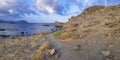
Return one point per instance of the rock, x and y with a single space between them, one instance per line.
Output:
52 51
57 56
105 53
77 47
98 42
109 35
81 36
58 24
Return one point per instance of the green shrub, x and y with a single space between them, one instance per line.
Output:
58 33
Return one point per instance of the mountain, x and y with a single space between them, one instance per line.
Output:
13 22
21 21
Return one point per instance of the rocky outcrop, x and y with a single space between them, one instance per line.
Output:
59 24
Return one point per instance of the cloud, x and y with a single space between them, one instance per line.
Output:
103 2
14 8
54 6
11 9
62 7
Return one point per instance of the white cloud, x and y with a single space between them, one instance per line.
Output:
6 4
11 11
46 5
86 2
50 9
62 7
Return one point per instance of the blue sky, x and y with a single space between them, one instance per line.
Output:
39 11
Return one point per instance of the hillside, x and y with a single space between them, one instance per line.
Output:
94 21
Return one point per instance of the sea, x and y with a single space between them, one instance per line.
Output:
25 29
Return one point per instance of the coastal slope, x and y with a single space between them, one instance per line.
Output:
92 35
94 21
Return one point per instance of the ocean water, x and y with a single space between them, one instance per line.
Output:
26 29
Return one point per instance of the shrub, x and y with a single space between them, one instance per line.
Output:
58 33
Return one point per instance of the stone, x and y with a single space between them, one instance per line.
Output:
77 47
57 56
105 53
81 36
109 35
52 51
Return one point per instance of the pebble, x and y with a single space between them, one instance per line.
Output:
52 51
110 35
97 42
77 47
81 36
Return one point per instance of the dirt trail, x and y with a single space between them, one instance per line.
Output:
65 49
90 49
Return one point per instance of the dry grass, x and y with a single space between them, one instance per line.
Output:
100 21
41 50
66 36
20 48
63 35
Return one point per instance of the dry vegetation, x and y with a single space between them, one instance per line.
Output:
42 49
45 52
20 48
63 35
94 21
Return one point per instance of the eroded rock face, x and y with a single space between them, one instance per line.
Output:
59 24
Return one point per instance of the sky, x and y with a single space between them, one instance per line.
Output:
46 11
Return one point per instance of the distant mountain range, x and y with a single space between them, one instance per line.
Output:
13 22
